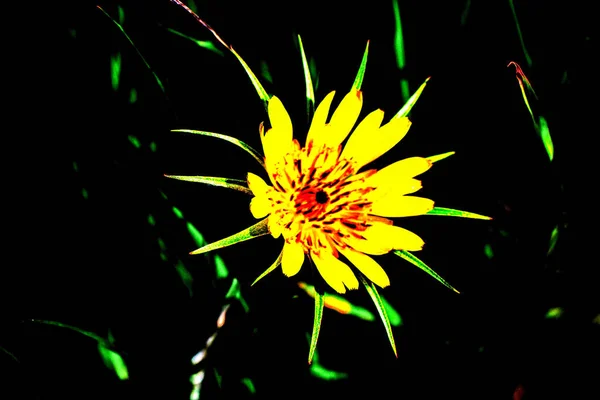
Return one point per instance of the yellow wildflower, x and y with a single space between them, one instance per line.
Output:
325 204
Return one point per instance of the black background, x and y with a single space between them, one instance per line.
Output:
95 263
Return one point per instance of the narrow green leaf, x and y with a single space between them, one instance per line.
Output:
249 385
450 212
546 138
273 266
420 264
411 102
255 154
398 37
318 317
525 53
114 361
310 92
553 240
229 183
361 70
158 81
440 157
262 93
259 229
89 334
379 304
205 44
115 71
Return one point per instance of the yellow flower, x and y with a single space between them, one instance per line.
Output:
322 200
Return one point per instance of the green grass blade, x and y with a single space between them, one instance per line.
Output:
89 334
361 70
259 229
381 309
255 154
420 264
399 49
318 317
546 138
525 53
229 183
450 212
158 81
262 93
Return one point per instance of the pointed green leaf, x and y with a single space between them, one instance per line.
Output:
319 302
205 44
379 304
89 334
229 183
420 264
361 70
259 229
273 266
310 92
114 361
450 212
440 157
255 154
411 102
262 93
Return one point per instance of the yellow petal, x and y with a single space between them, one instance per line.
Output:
407 168
315 133
395 204
369 267
260 206
276 145
279 118
344 118
367 246
335 272
292 259
274 228
368 146
364 133
393 237
257 185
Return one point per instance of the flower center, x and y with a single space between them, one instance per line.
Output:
321 197
321 200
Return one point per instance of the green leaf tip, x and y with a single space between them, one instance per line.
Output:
450 212
259 229
381 309
421 265
361 70
318 317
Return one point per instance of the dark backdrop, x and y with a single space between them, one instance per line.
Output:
94 240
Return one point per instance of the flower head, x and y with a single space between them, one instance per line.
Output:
322 200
